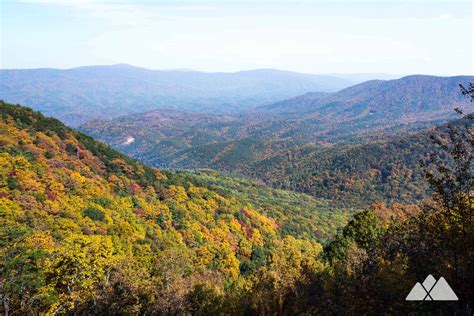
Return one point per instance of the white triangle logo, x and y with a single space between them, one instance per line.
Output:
432 290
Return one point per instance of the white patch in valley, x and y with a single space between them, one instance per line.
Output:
129 140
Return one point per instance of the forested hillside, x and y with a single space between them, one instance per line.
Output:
357 174
420 95
86 230
355 146
297 214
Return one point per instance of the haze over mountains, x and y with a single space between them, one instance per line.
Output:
413 100
348 144
309 133
359 111
81 94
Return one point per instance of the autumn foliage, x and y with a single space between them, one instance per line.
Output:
87 230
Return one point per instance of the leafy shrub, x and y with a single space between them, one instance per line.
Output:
13 184
103 201
94 214
48 155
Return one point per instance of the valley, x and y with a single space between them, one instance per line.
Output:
356 146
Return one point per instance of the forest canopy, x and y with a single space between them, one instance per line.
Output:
87 230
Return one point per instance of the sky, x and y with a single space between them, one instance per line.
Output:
396 37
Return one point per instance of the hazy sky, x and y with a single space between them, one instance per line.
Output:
398 37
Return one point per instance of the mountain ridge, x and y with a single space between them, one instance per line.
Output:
279 145
384 86
80 94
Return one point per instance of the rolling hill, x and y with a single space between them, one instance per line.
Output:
354 145
350 175
367 110
408 100
80 222
81 94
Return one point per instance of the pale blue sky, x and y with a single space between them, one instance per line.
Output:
398 37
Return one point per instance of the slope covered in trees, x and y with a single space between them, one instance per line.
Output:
86 229
374 256
297 214
356 174
400 98
356 112
356 146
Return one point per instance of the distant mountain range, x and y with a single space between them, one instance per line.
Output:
365 110
361 77
400 98
376 105
304 143
81 94
238 123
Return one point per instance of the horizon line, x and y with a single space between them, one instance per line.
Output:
242 70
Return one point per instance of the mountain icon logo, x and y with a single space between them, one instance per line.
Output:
432 290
